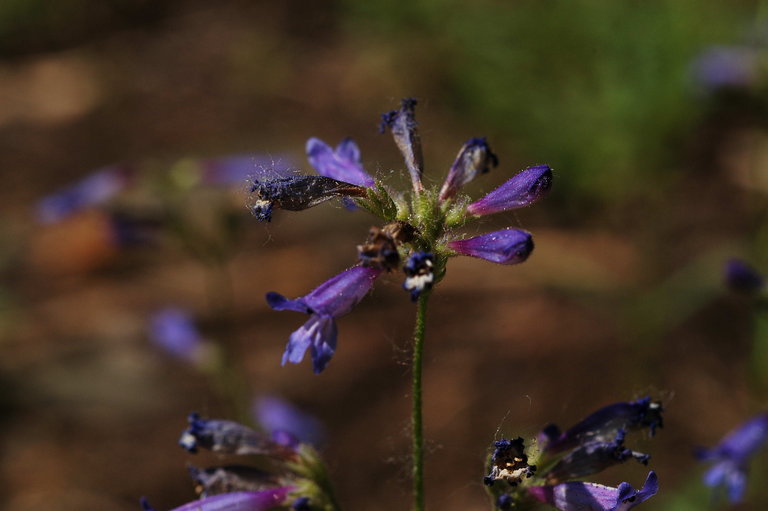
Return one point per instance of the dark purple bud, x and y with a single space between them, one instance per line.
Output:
343 164
217 480
402 124
227 437
742 278
579 496
419 275
297 193
474 158
333 298
522 190
241 501
301 504
280 417
731 457
592 458
509 463
508 246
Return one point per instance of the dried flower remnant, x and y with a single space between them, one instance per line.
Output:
402 123
581 496
731 457
509 463
474 158
228 437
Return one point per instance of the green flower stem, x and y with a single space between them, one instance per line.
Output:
417 429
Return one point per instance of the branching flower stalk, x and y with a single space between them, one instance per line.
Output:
417 234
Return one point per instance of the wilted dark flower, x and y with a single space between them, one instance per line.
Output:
241 501
227 437
525 188
509 463
474 158
379 250
603 425
579 496
743 278
96 189
343 164
287 424
217 480
297 193
731 456
419 274
591 458
332 299
508 246
402 124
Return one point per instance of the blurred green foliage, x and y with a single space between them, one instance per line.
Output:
601 89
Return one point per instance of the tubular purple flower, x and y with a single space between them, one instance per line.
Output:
96 189
602 425
285 422
578 496
328 301
742 278
731 457
402 124
508 246
343 164
522 190
240 501
228 437
475 157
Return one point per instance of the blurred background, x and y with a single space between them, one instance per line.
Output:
654 116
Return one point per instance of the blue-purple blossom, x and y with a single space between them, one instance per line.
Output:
94 190
227 437
591 458
580 496
402 124
602 425
741 277
419 274
235 501
343 164
525 188
332 299
174 330
508 246
730 458
726 67
474 158
287 424
296 193
238 168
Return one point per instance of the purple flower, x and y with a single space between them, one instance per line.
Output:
402 124
741 277
287 424
474 158
174 330
579 496
240 501
343 164
227 437
331 299
522 190
238 168
591 458
508 246
723 67
419 276
731 456
94 190
296 193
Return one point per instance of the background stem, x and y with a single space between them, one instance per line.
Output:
416 414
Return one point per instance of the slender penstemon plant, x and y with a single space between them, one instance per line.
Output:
417 234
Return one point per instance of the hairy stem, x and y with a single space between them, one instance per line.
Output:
416 414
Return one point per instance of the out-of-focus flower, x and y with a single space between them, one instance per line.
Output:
525 188
508 246
238 168
343 164
287 424
580 496
474 158
603 425
741 277
235 501
332 299
174 330
94 190
228 437
419 274
402 124
726 67
730 458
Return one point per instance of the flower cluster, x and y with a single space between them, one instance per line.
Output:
294 478
589 447
418 231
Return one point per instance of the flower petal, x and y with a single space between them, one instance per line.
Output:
280 303
508 246
240 501
402 124
336 296
522 190
579 496
342 165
